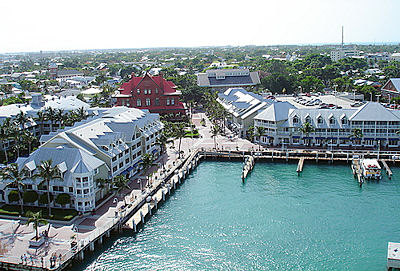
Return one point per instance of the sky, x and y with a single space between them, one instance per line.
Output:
50 25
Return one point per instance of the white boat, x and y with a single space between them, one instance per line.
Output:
371 169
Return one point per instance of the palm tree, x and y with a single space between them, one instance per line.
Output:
21 118
179 133
356 133
259 132
103 183
47 173
6 131
30 138
147 162
81 112
307 129
214 133
162 141
36 219
51 116
60 117
41 117
120 183
17 177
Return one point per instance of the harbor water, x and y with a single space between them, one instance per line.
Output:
320 220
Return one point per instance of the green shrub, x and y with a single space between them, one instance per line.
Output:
13 196
30 196
63 199
43 198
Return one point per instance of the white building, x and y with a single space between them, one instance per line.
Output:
395 57
344 53
103 147
242 107
333 127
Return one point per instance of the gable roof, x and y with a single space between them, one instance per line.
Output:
373 111
395 82
276 112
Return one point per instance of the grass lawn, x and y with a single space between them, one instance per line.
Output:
57 214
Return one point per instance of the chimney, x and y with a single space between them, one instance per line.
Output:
161 80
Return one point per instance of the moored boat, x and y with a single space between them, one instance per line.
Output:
371 169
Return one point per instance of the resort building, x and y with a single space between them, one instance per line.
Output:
391 88
150 92
242 106
223 79
103 147
331 127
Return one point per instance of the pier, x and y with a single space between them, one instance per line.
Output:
248 166
387 169
357 172
300 165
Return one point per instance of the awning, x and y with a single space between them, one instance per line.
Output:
136 164
154 151
369 138
320 137
295 136
332 137
381 139
307 137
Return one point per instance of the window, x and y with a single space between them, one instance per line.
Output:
114 158
138 91
79 203
139 102
344 121
320 120
127 151
127 161
332 120
138 144
78 180
308 119
78 191
148 147
157 101
167 101
156 90
96 171
71 189
121 164
139 153
115 169
172 101
120 155
28 186
85 191
147 102
295 119
149 91
85 179
145 91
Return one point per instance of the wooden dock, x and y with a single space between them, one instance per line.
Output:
357 172
248 166
387 169
300 165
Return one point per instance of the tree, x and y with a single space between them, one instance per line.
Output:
259 132
162 141
51 116
179 132
146 163
21 118
41 117
120 183
36 219
47 173
30 138
307 129
356 133
30 196
6 131
17 177
311 83
63 199
214 133
13 196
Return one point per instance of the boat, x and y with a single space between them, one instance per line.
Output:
371 169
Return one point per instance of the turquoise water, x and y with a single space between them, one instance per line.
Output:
320 220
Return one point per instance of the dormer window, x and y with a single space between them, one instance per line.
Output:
295 119
320 120
344 121
332 120
308 119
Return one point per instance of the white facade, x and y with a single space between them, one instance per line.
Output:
344 53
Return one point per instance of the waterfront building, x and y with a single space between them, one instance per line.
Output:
391 88
223 79
242 106
332 127
102 147
150 92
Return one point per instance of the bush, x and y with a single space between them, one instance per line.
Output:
13 196
63 199
43 198
30 196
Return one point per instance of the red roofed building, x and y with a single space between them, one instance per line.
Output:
150 92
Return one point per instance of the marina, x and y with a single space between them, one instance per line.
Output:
221 231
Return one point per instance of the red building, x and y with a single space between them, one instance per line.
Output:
150 92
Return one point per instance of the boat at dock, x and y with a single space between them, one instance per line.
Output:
371 169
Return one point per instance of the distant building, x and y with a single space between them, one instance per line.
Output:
227 78
66 74
391 88
344 53
150 92
395 57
